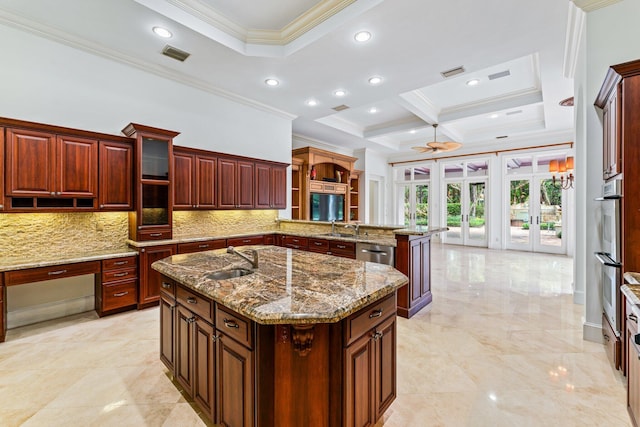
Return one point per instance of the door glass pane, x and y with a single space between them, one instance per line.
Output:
454 200
477 228
422 204
155 159
453 170
477 168
519 231
550 213
405 191
519 165
406 174
155 205
421 174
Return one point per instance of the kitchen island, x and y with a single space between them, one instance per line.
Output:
303 339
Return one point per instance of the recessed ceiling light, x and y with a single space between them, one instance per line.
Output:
162 32
271 82
312 102
375 80
473 82
494 116
340 93
412 131
362 36
373 110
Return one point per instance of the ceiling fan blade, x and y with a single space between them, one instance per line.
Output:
423 149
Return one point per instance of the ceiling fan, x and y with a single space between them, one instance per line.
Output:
438 147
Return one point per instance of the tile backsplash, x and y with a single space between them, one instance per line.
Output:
217 223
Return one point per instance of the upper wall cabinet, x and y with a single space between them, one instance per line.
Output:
235 183
194 179
270 186
152 219
51 168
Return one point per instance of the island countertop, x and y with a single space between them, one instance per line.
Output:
288 287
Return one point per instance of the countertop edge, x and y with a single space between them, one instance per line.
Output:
70 259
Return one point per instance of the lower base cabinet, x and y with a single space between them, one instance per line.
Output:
611 342
243 374
413 257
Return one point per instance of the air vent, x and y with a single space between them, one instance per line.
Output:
499 75
511 113
502 137
175 53
452 72
341 107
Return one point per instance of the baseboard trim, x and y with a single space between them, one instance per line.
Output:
40 313
578 296
592 332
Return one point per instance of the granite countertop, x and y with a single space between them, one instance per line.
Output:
45 259
631 288
289 286
420 231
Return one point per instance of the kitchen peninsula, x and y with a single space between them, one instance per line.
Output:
303 339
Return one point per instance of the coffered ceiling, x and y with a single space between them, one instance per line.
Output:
515 50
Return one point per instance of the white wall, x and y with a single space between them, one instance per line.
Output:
612 36
44 81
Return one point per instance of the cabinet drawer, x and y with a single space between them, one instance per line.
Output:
611 343
365 320
185 248
119 295
234 325
168 287
116 263
319 245
252 240
195 303
18 277
343 248
154 235
121 274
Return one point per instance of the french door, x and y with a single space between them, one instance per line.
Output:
466 215
535 217
415 204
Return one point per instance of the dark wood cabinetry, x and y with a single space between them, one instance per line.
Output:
167 327
2 200
195 177
413 257
270 186
151 280
116 176
117 288
247 240
152 218
205 245
3 310
235 178
611 152
632 363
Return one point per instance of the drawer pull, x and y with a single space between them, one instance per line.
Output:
192 300
246 241
121 263
120 274
203 246
155 234
633 317
375 313
55 273
317 243
166 285
230 324
121 294
342 246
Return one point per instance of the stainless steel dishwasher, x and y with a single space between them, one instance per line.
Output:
375 253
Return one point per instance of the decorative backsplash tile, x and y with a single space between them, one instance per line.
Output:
216 223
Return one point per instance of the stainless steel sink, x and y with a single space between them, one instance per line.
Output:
339 235
229 274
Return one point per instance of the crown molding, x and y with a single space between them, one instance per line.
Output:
590 5
575 27
56 35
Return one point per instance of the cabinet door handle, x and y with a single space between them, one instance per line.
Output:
215 338
120 274
166 285
633 317
377 335
155 234
246 241
203 246
341 246
56 273
606 337
192 300
121 263
121 294
317 243
191 319
375 313
230 324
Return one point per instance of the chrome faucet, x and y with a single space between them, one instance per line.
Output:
254 253
356 228
333 227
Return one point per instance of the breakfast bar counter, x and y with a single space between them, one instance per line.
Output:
303 339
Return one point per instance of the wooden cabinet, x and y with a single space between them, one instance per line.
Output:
3 309
205 245
116 176
270 186
195 184
370 363
413 257
153 182
611 149
611 343
151 280
354 196
247 240
117 289
294 242
235 179
2 200
633 364
314 166
167 329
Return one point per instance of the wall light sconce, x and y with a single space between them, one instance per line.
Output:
565 170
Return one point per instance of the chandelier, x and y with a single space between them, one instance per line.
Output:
565 170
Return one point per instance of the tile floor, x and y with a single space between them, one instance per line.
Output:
501 346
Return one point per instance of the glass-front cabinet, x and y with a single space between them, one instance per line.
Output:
152 219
